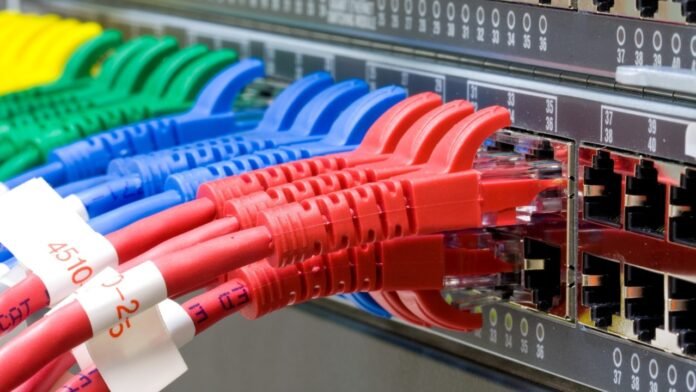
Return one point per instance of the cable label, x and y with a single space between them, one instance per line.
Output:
51 240
114 298
144 357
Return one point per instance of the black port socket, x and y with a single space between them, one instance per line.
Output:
602 201
688 10
544 279
601 290
644 301
603 5
682 313
682 200
645 201
543 152
647 8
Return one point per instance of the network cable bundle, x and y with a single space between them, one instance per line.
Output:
510 185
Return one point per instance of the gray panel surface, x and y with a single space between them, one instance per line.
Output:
523 33
296 351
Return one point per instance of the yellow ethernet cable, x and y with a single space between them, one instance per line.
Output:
9 20
38 47
44 61
19 38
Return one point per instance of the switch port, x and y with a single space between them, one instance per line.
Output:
644 301
681 308
645 201
646 8
682 210
602 190
688 10
601 288
603 5
542 273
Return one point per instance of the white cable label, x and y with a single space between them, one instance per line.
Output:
113 299
178 322
144 357
50 239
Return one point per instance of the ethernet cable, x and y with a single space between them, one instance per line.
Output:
345 133
31 147
44 60
411 141
349 127
413 149
142 67
415 264
144 176
448 194
79 70
212 115
378 144
84 89
42 44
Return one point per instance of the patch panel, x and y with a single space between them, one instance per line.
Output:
626 287
497 31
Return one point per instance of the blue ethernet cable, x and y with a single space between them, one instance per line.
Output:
210 116
365 302
144 176
345 134
278 117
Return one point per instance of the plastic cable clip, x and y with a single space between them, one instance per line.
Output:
140 352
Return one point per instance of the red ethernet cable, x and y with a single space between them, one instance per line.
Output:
47 378
413 149
447 195
413 263
30 295
379 142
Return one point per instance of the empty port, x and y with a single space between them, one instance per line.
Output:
643 301
681 308
645 201
542 273
602 190
682 210
601 288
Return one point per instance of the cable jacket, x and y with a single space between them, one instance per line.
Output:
144 234
51 172
208 231
125 215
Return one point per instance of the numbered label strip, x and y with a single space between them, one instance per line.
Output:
50 239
